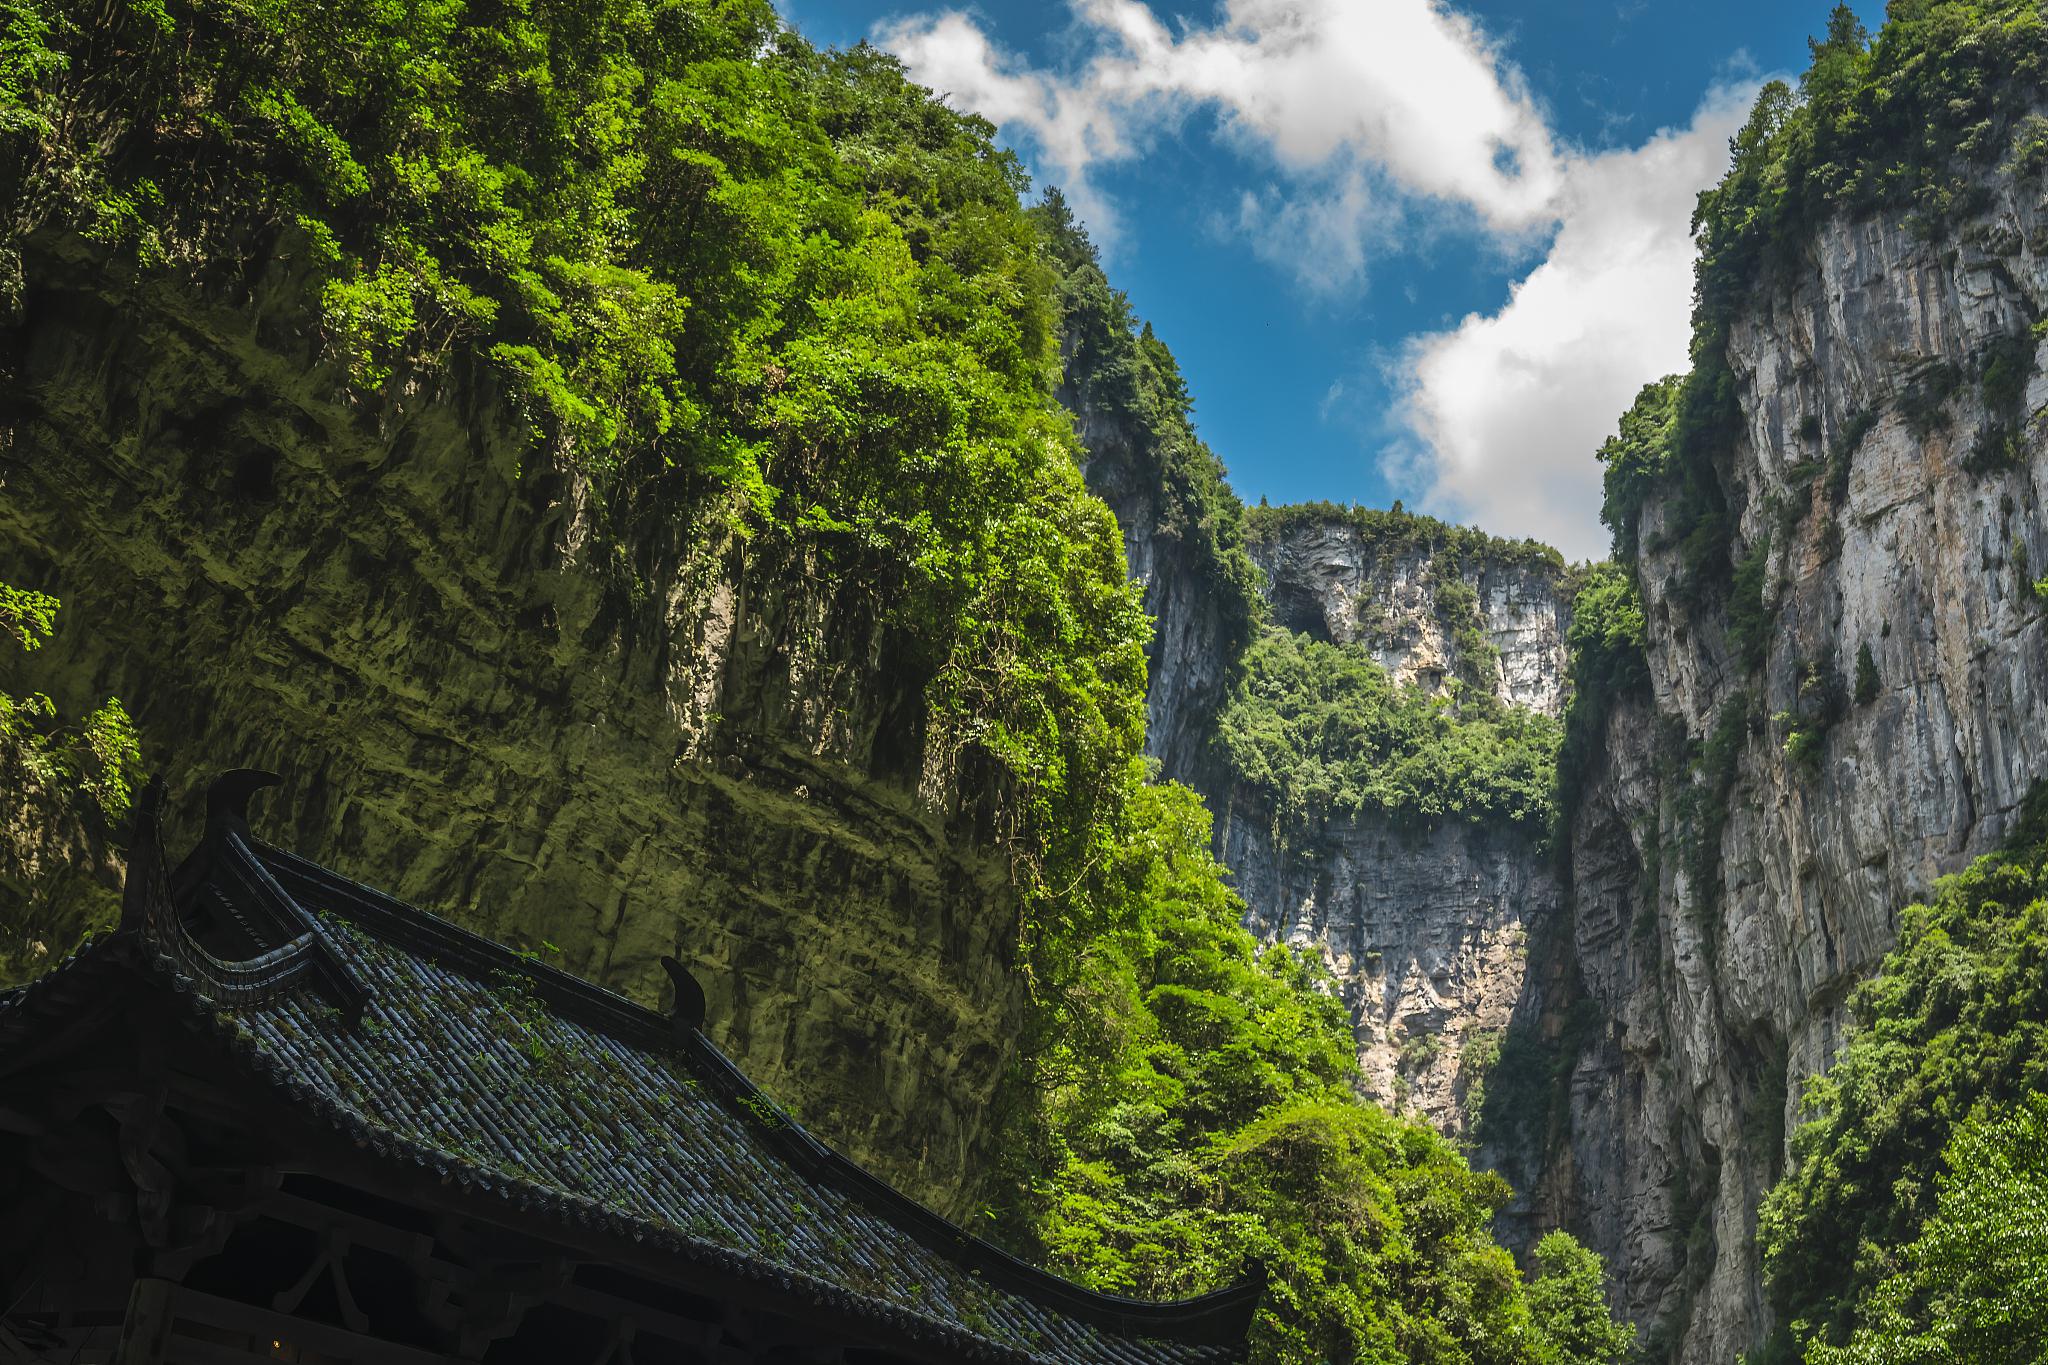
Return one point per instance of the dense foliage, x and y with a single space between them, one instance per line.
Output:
1604 649
81 776
1326 734
1871 1255
1912 120
1974 1285
1198 1114
1636 457
735 282
98 757
1137 415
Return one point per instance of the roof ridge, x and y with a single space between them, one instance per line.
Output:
1218 1313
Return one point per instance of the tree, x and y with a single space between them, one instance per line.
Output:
1974 1286
1837 58
1866 675
1569 1307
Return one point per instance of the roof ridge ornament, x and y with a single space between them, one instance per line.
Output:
291 945
689 1007
227 797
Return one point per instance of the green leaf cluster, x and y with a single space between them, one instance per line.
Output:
100 757
1325 733
1913 1222
1974 1285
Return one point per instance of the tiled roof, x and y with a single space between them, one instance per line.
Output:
438 1048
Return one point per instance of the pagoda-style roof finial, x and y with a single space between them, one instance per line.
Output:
227 798
689 1011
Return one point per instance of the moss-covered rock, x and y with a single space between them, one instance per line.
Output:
397 609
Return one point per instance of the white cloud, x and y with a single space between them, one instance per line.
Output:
1506 409
1373 125
1350 102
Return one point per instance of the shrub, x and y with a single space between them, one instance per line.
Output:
1325 734
1751 613
1866 675
2003 372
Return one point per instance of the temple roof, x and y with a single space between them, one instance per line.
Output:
439 1049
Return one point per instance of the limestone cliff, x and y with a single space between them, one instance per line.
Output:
1741 853
413 626
1378 579
1426 926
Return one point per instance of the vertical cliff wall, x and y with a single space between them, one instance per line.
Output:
403 612
1426 922
1863 714
1384 581
1183 528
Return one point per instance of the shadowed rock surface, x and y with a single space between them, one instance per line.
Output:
387 609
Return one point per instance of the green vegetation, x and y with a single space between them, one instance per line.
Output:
1325 734
1198 1112
1867 683
1915 120
1527 1094
1974 1285
1821 702
744 287
99 757
1123 383
1565 1300
1870 1255
1636 457
1392 532
1604 647
64 783
1752 609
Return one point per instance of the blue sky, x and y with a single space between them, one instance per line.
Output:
1402 251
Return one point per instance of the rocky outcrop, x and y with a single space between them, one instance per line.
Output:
1377 580
408 616
1891 474
1426 929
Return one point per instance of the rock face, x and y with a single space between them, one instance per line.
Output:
1189 662
1377 581
1426 930
1718 969
385 608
